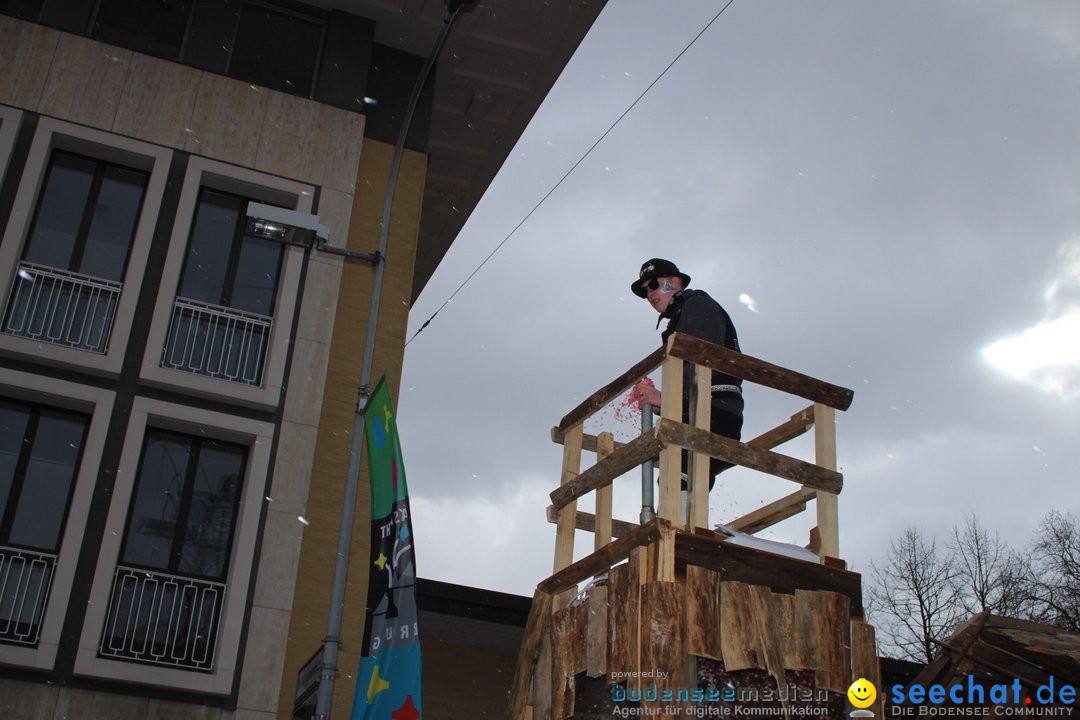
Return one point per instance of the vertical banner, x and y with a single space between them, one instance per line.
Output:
388 683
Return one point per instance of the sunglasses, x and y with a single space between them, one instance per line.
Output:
651 284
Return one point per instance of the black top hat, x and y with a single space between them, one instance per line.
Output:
656 268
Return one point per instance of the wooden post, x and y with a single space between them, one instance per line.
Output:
529 654
566 525
605 445
671 382
665 553
698 511
825 456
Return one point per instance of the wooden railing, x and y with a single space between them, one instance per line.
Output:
654 547
818 480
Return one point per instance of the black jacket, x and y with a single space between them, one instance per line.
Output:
695 313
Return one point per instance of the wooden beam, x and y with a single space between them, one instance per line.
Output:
756 567
539 613
612 553
768 515
587 521
672 433
736 364
671 410
602 473
602 534
588 442
564 535
828 521
596 647
697 512
799 424
613 389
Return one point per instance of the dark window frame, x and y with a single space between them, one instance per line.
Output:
187 494
112 34
101 166
232 264
321 21
11 504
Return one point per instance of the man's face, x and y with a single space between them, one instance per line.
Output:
660 296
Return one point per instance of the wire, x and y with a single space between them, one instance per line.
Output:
571 170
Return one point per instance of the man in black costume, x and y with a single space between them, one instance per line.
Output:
692 312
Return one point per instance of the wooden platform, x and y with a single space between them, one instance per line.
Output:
729 608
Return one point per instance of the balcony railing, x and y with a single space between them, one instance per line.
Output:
25 579
217 341
61 307
162 619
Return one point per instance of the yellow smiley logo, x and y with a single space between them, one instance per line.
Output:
862 693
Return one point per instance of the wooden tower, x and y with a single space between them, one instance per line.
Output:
672 619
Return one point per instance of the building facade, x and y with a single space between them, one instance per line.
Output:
176 392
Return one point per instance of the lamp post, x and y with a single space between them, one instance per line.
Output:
332 641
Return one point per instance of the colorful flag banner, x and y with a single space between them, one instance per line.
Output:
388 684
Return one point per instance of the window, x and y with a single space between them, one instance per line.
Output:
277 49
154 27
76 246
179 542
225 308
40 450
69 280
169 586
25 9
223 314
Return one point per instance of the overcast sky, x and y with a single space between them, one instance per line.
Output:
883 194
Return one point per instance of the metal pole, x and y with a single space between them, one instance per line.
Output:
328 667
647 511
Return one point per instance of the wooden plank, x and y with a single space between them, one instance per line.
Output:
576 621
665 555
836 641
798 425
784 608
672 433
568 638
736 364
756 567
703 613
542 686
671 402
768 515
698 510
619 625
596 646
602 535
740 644
602 559
564 534
539 612
629 456
588 442
662 653
613 389
587 521
865 662
807 650
765 623
825 456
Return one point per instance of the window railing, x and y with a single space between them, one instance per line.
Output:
62 307
217 341
25 579
161 619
